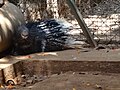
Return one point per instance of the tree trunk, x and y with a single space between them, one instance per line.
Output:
52 8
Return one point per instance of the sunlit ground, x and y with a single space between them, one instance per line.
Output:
4 62
4 65
7 61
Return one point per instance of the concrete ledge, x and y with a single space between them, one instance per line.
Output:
46 67
64 61
53 67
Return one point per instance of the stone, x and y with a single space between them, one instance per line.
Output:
98 86
30 81
23 84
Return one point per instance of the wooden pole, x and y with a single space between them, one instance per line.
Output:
81 22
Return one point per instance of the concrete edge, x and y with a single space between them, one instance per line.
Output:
48 67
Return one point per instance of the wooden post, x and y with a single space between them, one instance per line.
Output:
81 22
53 6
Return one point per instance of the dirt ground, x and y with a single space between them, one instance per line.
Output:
78 81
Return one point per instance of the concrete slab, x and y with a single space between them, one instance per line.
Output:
77 55
49 63
66 55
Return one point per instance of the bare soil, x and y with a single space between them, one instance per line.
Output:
78 81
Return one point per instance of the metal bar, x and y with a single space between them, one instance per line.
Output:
81 22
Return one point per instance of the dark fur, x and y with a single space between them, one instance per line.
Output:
43 36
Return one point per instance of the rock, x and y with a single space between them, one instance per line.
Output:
24 76
100 47
18 80
30 81
11 17
35 76
98 86
41 79
23 84
83 73
54 75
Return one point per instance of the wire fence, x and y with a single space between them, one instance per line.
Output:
101 16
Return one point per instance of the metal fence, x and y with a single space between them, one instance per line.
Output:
101 16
